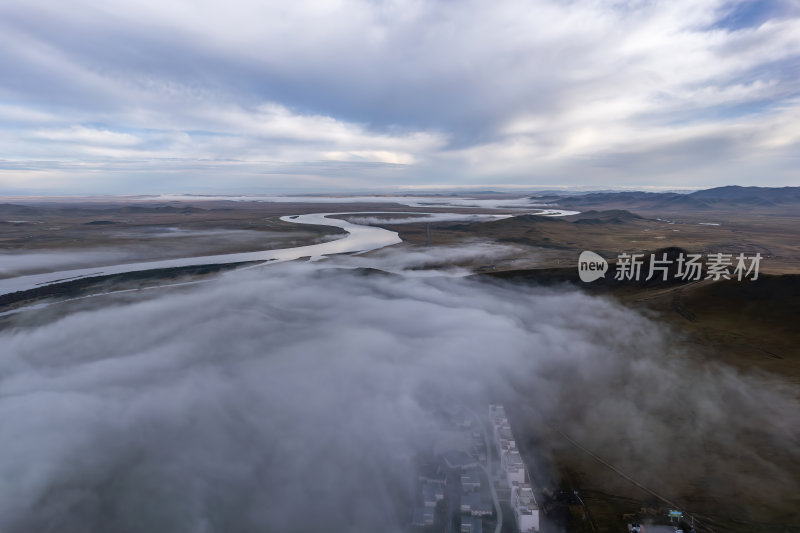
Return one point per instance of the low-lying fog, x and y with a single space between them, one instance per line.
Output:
152 243
290 398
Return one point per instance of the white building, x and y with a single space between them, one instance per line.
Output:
512 465
526 510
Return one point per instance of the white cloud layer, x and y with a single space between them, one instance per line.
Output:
163 96
293 398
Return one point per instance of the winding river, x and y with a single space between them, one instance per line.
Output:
359 238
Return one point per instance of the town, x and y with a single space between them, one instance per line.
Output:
472 488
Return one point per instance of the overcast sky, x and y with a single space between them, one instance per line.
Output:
352 95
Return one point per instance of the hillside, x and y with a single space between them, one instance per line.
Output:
718 198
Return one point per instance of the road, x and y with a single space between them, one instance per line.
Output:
487 469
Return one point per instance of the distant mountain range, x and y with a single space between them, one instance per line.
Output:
7 209
718 197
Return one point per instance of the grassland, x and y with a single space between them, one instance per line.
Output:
157 230
557 241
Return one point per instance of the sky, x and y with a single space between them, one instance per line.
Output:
304 96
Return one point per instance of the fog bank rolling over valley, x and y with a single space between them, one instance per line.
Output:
292 398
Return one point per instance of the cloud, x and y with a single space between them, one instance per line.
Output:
510 92
150 243
88 135
293 398
434 261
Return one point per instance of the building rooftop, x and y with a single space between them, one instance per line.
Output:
471 525
458 459
432 492
473 503
423 516
470 479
